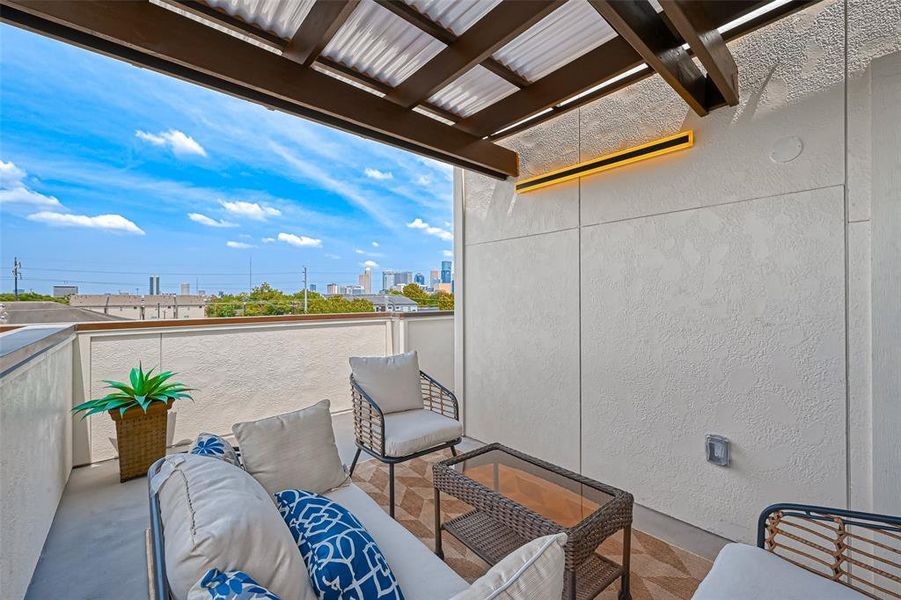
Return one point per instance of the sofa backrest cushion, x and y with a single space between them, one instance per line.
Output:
391 381
533 571
294 450
216 516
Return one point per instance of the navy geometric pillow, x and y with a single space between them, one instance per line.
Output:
210 444
231 585
342 559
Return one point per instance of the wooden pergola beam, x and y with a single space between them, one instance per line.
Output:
503 23
639 24
319 26
205 11
151 36
692 21
423 23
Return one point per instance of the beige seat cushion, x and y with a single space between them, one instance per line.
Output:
392 382
532 572
420 574
217 516
292 451
414 430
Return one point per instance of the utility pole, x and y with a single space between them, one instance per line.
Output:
304 289
250 276
17 272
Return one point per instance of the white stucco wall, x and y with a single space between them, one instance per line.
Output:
611 322
248 372
35 460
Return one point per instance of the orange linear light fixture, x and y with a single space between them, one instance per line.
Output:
673 143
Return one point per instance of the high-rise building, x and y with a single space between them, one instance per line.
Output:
64 291
387 280
445 271
185 289
154 288
403 277
331 288
312 287
434 277
420 279
365 280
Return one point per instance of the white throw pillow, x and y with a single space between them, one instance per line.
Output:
292 451
532 572
217 516
391 381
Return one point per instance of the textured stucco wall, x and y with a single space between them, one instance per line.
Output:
715 290
35 460
248 372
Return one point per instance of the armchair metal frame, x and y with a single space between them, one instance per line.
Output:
369 426
857 549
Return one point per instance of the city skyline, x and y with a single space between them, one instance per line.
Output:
104 190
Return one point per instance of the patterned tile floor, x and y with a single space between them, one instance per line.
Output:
659 571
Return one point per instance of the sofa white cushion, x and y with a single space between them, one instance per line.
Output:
743 572
420 574
292 451
414 430
532 572
217 516
391 381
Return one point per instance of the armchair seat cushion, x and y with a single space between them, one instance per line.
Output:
411 431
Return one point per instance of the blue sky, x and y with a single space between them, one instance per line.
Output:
111 173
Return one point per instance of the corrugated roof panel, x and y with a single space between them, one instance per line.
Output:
380 44
559 38
472 91
280 17
454 15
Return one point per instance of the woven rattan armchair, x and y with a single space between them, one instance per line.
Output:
372 436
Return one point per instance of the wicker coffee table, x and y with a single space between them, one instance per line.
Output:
517 498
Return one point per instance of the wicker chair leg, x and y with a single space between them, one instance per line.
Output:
391 489
453 451
353 465
624 592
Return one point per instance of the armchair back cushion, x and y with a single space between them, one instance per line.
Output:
294 450
391 381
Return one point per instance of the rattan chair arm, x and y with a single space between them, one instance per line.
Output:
369 420
446 397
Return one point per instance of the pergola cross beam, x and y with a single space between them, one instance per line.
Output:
315 32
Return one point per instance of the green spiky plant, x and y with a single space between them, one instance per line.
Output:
143 391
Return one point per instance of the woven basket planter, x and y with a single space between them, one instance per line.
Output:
141 438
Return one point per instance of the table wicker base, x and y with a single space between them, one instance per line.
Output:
492 541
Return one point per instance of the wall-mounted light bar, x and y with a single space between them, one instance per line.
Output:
673 143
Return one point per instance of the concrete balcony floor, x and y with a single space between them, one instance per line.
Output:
97 545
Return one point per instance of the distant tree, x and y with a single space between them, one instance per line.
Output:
32 297
445 301
267 300
414 292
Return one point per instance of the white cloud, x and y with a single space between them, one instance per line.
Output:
179 142
358 251
301 241
443 234
14 191
448 253
209 222
268 240
106 222
375 244
423 180
370 264
238 245
378 175
250 210
333 256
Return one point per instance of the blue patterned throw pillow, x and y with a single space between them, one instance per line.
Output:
343 560
230 585
210 444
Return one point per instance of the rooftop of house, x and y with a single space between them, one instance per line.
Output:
22 313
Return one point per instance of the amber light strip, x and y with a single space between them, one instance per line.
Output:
673 143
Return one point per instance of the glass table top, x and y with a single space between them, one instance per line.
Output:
554 496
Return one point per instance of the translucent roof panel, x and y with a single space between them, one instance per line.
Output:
472 91
380 44
454 15
561 37
280 17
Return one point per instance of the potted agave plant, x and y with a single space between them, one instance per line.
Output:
139 409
